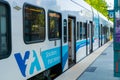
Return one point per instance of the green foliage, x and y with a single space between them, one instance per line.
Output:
99 5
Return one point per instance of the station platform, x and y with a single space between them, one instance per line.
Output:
97 66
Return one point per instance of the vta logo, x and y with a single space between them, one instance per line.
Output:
28 63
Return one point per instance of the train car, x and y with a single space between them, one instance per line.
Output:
104 29
40 41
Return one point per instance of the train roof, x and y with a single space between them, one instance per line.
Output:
75 7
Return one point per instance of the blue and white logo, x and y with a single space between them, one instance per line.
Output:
28 63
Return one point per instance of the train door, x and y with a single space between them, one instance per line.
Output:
55 43
65 45
89 37
86 37
71 41
103 35
90 28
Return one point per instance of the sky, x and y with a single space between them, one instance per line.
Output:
110 4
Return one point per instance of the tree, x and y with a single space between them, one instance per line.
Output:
99 5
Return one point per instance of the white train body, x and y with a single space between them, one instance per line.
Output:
37 35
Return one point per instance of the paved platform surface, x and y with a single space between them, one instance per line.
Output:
101 68
97 66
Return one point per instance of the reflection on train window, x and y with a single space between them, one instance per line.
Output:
65 30
34 24
81 30
54 20
84 31
4 31
78 31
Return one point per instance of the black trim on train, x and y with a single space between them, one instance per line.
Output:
7 35
34 41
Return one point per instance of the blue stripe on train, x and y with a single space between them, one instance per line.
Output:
64 55
80 44
51 57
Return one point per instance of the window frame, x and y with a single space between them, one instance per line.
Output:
81 31
35 41
78 31
65 20
84 30
8 30
60 28
88 30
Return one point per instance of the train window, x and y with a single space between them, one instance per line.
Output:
78 31
5 43
93 28
81 30
88 30
65 30
34 24
54 20
103 31
84 31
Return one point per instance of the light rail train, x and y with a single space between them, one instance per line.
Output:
40 39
